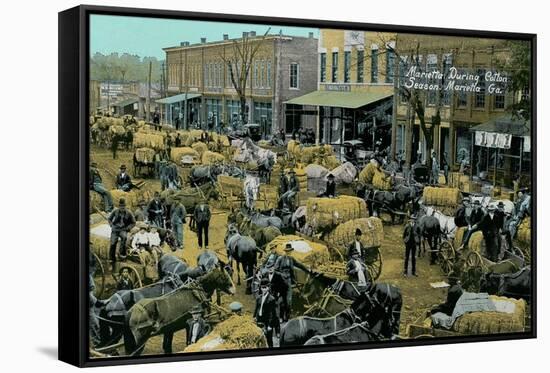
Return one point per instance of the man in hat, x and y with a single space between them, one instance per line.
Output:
265 313
155 211
197 327
139 213
410 238
454 293
202 217
475 217
178 219
123 180
283 188
293 187
124 282
96 184
285 266
489 226
121 221
435 169
356 246
330 190
463 213
445 164
500 215
357 271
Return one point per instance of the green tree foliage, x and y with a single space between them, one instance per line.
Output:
123 67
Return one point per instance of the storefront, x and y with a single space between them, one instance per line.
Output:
501 150
174 112
347 116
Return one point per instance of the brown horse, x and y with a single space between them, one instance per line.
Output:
169 313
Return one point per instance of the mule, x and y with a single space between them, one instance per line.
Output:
512 285
427 227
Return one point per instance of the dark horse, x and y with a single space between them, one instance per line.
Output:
203 174
353 334
300 329
244 251
169 313
380 308
114 309
316 284
382 200
513 285
427 228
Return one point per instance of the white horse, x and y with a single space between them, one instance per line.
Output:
447 223
251 190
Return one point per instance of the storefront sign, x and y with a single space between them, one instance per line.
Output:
338 87
493 139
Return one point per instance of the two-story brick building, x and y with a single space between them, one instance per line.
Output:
460 110
197 74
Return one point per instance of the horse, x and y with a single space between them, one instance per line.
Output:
113 310
353 334
378 200
251 189
203 174
380 308
513 285
300 329
427 228
190 197
315 286
241 217
446 223
170 265
244 251
169 313
265 166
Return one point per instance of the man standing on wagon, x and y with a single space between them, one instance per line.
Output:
121 221
356 246
96 184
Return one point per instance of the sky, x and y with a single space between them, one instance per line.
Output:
147 36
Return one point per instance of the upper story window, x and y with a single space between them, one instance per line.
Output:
323 66
360 66
390 64
347 66
479 101
374 65
294 78
334 67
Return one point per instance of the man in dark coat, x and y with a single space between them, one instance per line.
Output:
155 211
475 217
500 215
453 295
409 238
283 187
358 272
96 184
196 327
489 225
123 180
285 266
178 220
462 214
292 188
330 190
121 221
265 313
114 144
124 282
202 217
356 246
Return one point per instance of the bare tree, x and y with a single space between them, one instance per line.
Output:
239 63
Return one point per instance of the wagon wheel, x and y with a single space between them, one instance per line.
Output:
373 260
447 256
99 277
474 261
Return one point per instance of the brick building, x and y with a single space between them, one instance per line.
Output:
282 68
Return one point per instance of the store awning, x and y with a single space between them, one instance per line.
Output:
127 102
178 98
505 124
349 100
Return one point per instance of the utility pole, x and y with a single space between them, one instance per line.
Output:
148 114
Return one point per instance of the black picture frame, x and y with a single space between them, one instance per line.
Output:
73 180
